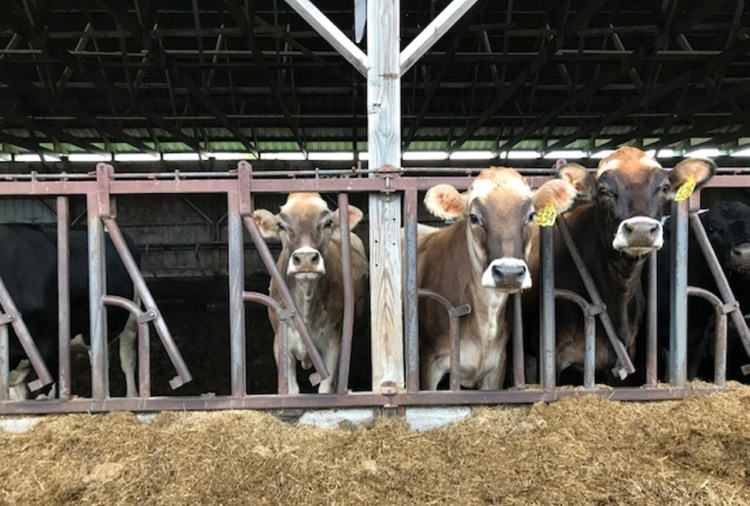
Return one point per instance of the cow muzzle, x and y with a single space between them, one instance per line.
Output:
306 262
739 258
638 236
507 274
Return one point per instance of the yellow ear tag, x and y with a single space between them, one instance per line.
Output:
546 216
687 188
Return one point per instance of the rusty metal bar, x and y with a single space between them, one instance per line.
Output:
4 359
652 374
347 326
356 399
547 309
678 295
63 296
519 372
589 331
236 304
183 374
411 295
720 314
624 364
282 349
721 281
454 313
142 318
97 289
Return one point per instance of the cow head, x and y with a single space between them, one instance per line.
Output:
499 210
304 226
629 191
728 227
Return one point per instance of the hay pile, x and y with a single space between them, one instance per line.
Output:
578 451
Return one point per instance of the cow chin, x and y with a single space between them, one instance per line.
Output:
507 275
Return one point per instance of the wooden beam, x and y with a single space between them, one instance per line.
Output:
332 33
433 32
384 147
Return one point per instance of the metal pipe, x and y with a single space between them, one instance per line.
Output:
721 281
547 308
63 297
347 325
678 296
236 303
183 374
4 360
22 333
720 331
454 313
282 346
625 366
142 318
519 369
652 373
286 297
97 311
589 331
411 295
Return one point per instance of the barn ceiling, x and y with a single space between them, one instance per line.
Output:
252 77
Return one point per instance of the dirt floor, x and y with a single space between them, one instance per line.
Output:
585 450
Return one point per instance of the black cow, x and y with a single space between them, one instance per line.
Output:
28 266
727 225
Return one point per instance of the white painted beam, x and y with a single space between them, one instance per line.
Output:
432 32
331 33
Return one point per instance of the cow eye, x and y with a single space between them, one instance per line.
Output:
606 192
473 218
280 226
532 216
328 223
665 188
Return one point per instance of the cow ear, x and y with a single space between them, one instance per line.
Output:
579 178
445 202
267 223
557 193
692 170
355 216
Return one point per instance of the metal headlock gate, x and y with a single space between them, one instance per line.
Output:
239 187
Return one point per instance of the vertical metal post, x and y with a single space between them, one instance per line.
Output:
519 373
97 310
384 147
678 295
63 296
236 302
547 308
4 359
651 323
144 361
347 325
411 300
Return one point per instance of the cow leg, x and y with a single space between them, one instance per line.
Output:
331 359
493 380
127 355
433 371
291 367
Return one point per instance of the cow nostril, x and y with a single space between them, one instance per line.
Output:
736 252
521 269
314 257
628 228
295 259
654 229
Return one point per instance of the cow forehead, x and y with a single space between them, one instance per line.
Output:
304 203
498 180
630 162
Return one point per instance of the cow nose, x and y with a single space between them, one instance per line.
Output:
311 257
503 271
641 228
638 235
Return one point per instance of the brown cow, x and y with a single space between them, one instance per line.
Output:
310 262
614 233
478 260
